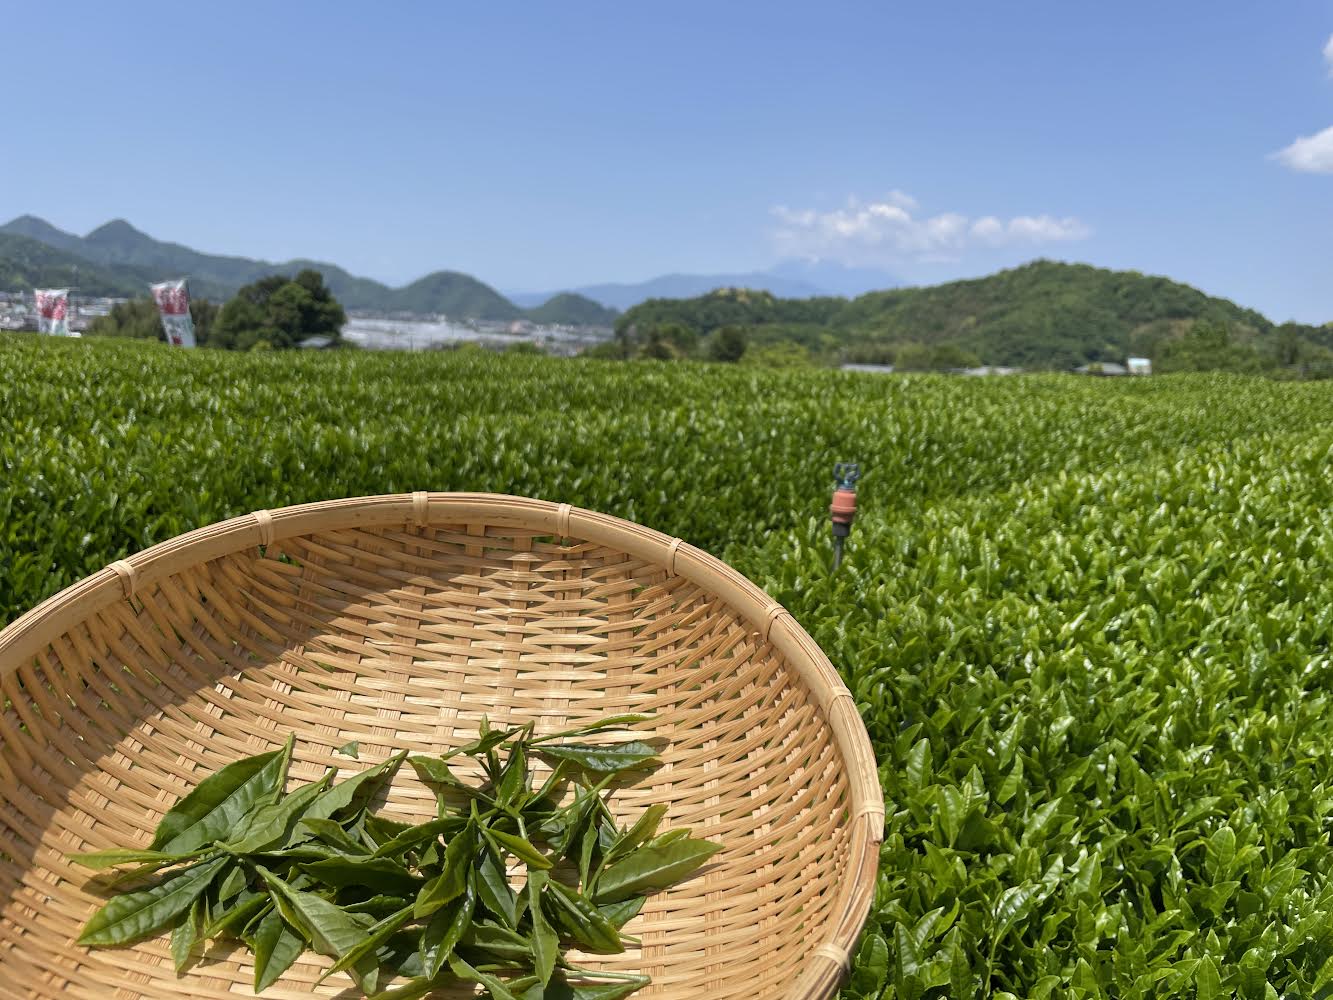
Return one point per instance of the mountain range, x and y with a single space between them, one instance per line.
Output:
790 279
118 259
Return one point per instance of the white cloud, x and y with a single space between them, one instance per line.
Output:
1328 54
891 230
1312 154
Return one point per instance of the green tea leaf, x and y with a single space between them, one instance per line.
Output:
561 989
582 920
445 930
331 833
277 946
619 914
218 803
514 781
493 889
414 990
643 830
652 868
453 880
602 759
331 930
519 847
415 836
467 973
379 905
100 860
236 915
1207 982
491 944
545 943
184 935
374 937
354 793
382 874
601 725
272 825
136 915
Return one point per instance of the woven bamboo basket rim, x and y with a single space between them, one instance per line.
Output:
827 963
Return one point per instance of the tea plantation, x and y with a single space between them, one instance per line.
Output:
1087 621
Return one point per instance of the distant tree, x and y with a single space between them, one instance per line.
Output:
949 356
871 353
139 319
607 350
658 346
727 343
783 354
622 345
1209 346
523 347
280 312
685 339
1289 344
913 357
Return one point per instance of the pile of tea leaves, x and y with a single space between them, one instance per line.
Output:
406 909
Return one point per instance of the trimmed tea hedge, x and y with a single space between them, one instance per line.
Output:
1087 621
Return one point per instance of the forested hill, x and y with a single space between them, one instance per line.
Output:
1043 314
118 259
26 263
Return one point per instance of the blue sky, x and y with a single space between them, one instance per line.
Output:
543 145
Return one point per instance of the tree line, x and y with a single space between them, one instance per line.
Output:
274 313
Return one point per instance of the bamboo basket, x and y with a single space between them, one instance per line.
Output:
397 621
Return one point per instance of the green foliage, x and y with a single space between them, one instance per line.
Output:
276 861
1209 346
939 358
277 312
1087 621
730 307
26 264
138 319
780 355
657 347
569 309
727 343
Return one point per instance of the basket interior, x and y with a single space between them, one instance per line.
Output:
401 637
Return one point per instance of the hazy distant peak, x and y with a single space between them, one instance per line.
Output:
118 231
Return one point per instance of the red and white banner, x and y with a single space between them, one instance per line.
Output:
173 303
53 311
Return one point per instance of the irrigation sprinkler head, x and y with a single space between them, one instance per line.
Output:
843 508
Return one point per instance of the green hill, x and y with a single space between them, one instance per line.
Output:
570 309
1043 314
119 243
453 294
26 264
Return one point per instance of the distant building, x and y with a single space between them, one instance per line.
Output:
1102 368
1139 366
877 369
315 343
989 370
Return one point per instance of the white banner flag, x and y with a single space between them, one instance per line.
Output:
53 311
173 303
